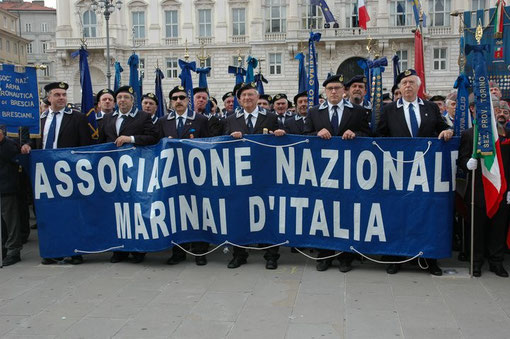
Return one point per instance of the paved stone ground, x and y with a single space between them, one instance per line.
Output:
153 300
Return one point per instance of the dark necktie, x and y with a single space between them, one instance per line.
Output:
50 140
180 126
413 121
281 121
249 123
334 120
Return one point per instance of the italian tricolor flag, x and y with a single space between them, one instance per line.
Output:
493 176
498 24
363 17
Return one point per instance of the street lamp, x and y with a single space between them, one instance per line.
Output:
107 7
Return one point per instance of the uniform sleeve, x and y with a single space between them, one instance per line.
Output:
84 131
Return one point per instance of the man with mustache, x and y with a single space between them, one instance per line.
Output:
201 98
296 123
356 90
281 108
150 105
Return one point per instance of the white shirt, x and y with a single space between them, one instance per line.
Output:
120 118
339 110
49 119
254 114
416 108
184 115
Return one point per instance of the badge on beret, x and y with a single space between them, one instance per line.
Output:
150 95
277 97
180 88
105 90
407 72
253 85
62 85
130 90
269 98
341 78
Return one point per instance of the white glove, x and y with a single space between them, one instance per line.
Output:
508 198
472 164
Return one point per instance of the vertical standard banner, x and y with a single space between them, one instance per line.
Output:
19 99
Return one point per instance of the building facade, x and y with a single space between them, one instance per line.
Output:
273 31
37 24
12 46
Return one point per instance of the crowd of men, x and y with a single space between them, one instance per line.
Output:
342 112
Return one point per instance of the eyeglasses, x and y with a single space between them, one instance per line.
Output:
180 97
334 88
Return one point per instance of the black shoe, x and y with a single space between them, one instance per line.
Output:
33 227
393 268
201 260
236 262
477 270
50 261
462 256
344 266
175 259
498 269
11 260
137 257
74 260
434 269
323 265
271 264
118 257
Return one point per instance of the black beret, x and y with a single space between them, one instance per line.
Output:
299 95
356 78
45 101
236 88
215 101
405 74
200 90
266 97
125 89
394 88
177 89
386 96
151 96
437 98
227 95
334 78
279 96
244 87
53 85
104 91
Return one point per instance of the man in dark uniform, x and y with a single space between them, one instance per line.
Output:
489 233
150 105
127 125
61 127
336 117
296 124
356 89
265 102
105 102
201 97
281 108
228 103
251 119
411 116
180 123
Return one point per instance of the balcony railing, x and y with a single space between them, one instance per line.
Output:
206 40
170 41
440 30
140 42
76 42
238 39
275 36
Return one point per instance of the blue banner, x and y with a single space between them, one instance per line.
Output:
380 196
313 79
396 68
134 81
325 9
159 93
376 69
19 99
363 63
202 83
260 80
187 81
482 100
252 64
301 72
462 115
87 95
118 79
239 73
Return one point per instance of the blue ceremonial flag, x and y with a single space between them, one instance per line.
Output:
252 64
134 81
159 93
416 10
87 95
377 68
260 80
325 9
187 81
313 80
363 63
396 68
202 83
118 77
301 72
462 119
240 73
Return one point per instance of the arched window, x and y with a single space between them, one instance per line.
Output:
89 24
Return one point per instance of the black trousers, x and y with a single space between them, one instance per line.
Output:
270 253
198 247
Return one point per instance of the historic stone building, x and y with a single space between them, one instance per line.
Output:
273 31
12 45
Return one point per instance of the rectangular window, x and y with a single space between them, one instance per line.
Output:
276 16
141 68
239 21
275 63
439 59
171 24
1 43
172 68
439 12
401 13
478 4
44 27
312 17
8 46
28 27
208 63
204 23
16 48
47 71
139 25
44 46
235 61
403 61
352 14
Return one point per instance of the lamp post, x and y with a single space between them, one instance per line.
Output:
107 7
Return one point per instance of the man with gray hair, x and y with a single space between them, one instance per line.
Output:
451 105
